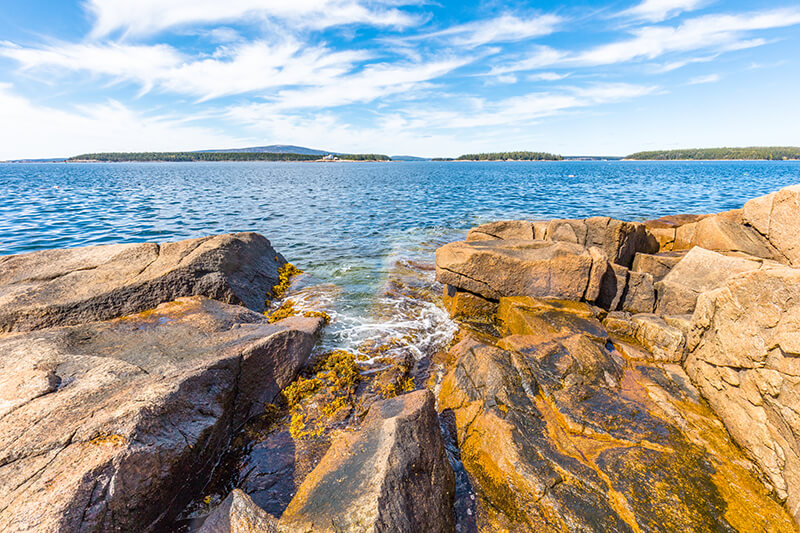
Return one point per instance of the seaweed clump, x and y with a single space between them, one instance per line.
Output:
285 274
326 397
287 309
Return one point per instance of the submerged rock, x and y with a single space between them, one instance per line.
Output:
73 286
114 426
744 350
389 476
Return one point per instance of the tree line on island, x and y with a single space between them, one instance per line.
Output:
505 156
770 153
119 157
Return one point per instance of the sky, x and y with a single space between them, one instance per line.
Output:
397 77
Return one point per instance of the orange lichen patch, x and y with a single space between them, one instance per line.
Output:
586 450
168 311
748 505
285 274
112 439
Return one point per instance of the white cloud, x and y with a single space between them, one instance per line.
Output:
144 17
540 56
231 70
122 61
466 125
373 82
506 28
658 10
36 131
711 78
720 33
546 76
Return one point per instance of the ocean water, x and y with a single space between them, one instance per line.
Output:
364 233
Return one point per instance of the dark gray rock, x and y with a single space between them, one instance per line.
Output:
73 286
116 425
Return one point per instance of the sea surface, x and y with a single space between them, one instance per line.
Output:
365 233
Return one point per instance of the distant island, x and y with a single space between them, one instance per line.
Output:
505 156
770 153
120 157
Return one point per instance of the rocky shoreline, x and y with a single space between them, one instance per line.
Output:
605 376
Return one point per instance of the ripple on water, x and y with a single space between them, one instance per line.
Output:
356 227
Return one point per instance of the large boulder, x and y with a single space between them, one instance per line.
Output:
72 286
744 355
560 431
723 233
777 217
699 271
497 268
115 426
238 514
620 240
391 475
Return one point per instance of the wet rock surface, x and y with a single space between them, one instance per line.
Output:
561 430
73 286
114 425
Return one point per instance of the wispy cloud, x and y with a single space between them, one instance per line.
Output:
146 17
373 82
109 126
505 28
711 78
235 69
719 33
659 10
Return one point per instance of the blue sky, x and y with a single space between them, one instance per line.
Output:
396 76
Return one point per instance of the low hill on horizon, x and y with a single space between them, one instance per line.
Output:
271 149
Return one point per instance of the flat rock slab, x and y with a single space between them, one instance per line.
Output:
391 475
73 286
498 268
114 426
